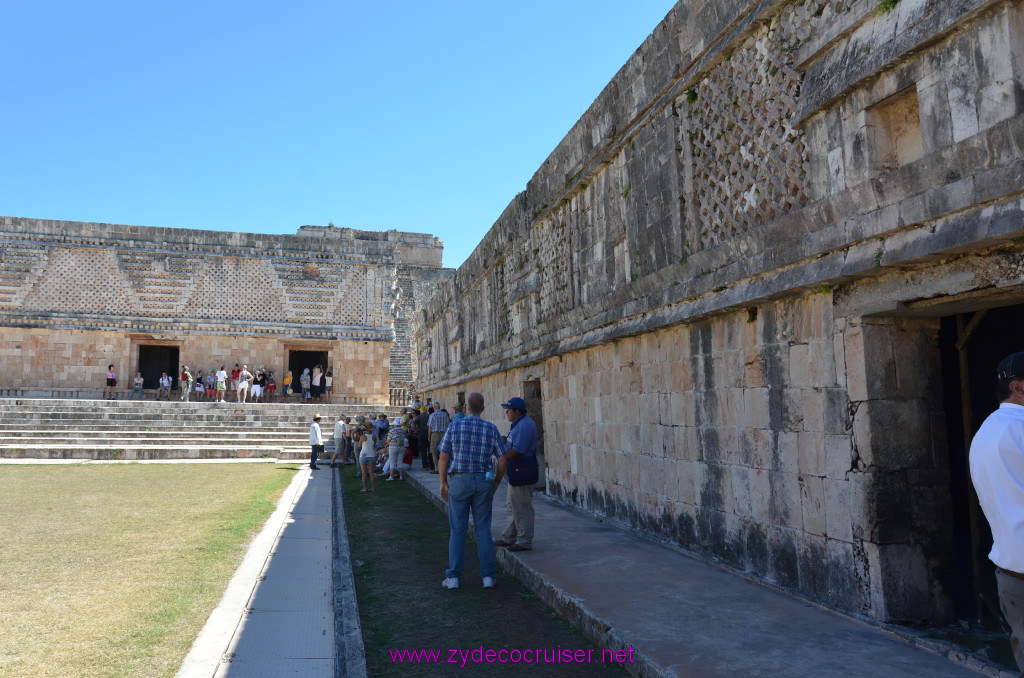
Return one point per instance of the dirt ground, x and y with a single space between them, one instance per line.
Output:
399 544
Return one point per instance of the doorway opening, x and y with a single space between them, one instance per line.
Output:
971 346
535 410
154 361
301 360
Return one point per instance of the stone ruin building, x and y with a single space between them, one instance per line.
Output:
76 297
757 294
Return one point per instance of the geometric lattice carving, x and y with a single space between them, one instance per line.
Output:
552 244
82 280
749 164
235 288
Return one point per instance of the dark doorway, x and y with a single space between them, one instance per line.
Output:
300 360
154 361
535 410
983 338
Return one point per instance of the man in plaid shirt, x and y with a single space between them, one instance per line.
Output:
438 424
465 455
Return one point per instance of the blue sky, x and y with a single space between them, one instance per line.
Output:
263 116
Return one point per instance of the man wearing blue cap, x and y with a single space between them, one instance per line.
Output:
522 442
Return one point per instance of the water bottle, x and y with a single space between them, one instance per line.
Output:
490 472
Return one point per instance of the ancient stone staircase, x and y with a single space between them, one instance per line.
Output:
145 430
401 351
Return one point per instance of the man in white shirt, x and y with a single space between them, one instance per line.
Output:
997 469
340 440
222 384
316 441
165 387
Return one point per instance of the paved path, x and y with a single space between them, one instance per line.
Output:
688 618
277 617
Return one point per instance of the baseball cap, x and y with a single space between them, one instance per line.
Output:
515 404
1011 366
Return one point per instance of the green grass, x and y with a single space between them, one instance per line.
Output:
399 546
112 570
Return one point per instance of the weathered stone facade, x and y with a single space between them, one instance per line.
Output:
730 280
75 297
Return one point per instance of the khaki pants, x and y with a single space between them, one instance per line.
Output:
435 440
1011 602
519 528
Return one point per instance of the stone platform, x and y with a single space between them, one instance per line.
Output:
148 430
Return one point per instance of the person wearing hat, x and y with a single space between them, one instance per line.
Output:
997 470
316 441
522 442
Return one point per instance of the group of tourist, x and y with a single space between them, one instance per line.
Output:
468 453
216 385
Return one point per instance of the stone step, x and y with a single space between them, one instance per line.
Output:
129 452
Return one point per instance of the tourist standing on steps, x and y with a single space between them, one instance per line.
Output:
234 380
997 470
186 383
244 377
108 392
317 383
165 387
304 383
466 451
222 384
522 442
316 441
329 384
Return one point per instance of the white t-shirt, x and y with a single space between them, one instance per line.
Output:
315 437
165 382
340 429
222 378
997 469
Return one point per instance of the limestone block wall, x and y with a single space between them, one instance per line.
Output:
73 363
210 294
754 230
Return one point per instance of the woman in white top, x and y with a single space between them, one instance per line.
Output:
364 439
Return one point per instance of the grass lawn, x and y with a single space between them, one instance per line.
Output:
399 546
112 570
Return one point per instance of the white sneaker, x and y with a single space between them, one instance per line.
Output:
488 582
450 583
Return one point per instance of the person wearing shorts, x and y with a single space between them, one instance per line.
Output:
222 384
108 393
244 377
364 439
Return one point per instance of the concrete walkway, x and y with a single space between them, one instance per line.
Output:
688 618
278 616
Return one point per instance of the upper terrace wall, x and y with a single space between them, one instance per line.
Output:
323 284
320 283
737 143
751 158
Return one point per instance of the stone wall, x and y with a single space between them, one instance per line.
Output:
729 278
87 294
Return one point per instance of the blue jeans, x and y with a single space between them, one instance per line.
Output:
470 492
137 389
